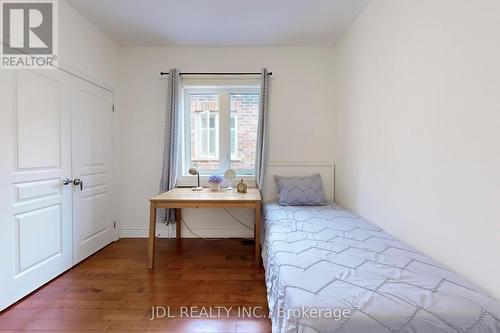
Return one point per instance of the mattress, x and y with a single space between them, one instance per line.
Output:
328 270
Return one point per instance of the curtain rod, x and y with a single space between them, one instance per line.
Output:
243 73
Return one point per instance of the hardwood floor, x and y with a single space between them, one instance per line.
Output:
113 291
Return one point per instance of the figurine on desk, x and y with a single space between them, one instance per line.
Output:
242 187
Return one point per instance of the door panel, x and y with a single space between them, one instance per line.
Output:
35 208
92 156
94 207
39 129
33 190
45 221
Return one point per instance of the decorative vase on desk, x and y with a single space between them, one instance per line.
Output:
215 182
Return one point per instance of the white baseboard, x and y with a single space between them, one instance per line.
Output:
134 233
206 233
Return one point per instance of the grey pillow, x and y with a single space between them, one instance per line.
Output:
296 191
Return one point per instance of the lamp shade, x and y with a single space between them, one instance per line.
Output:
193 171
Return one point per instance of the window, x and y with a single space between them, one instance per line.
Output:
220 129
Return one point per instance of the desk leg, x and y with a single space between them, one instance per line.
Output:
257 234
152 232
178 228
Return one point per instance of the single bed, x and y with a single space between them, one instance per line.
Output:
329 259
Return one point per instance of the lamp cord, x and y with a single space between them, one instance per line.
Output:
243 224
213 239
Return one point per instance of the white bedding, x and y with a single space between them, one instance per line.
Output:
331 260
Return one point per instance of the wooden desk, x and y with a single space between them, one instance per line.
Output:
186 198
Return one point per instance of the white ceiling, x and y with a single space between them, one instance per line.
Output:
221 22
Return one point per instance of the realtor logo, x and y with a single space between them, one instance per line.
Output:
29 34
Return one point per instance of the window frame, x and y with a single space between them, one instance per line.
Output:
223 145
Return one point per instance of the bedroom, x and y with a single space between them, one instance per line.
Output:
393 103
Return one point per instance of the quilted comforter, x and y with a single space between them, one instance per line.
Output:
328 270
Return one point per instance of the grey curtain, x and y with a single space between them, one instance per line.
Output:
262 130
172 144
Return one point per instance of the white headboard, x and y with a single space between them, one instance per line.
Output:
299 169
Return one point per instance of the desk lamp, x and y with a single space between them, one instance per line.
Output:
194 171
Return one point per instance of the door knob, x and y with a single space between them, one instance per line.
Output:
77 182
66 181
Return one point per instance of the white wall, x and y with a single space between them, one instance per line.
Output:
300 121
84 49
417 128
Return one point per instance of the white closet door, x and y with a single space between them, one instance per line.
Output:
35 207
92 165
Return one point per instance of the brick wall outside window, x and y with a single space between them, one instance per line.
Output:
246 107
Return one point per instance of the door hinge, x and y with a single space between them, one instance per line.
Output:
114 224
113 108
